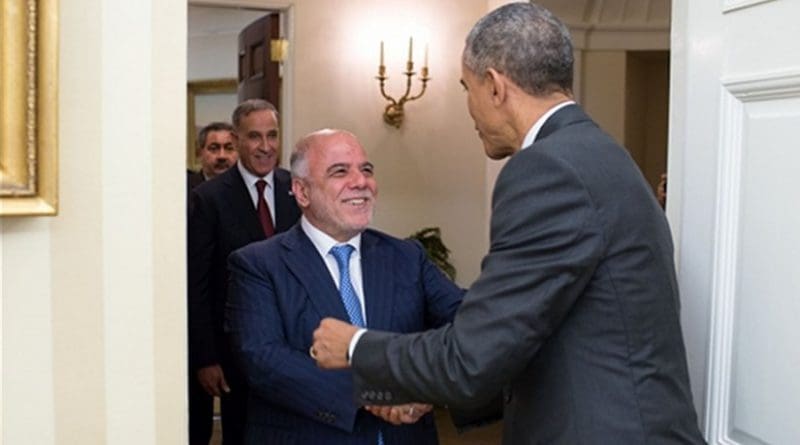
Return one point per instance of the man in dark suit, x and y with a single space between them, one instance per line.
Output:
248 202
282 287
216 150
575 315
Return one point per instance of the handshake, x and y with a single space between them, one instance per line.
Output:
400 414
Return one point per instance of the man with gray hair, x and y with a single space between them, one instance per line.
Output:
575 315
329 265
251 201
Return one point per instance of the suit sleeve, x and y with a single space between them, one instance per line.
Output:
545 243
277 372
201 247
442 296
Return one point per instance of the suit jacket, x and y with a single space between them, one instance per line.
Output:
280 291
193 179
223 219
575 313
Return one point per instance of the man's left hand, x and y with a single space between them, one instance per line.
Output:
331 342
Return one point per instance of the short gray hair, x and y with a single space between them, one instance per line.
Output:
525 42
298 162
249 106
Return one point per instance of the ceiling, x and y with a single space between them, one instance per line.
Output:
612 14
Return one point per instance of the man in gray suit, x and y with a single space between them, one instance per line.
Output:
575 315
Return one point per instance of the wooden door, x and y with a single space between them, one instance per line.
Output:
258 74
732 203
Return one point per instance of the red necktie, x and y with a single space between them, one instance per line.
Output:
263 210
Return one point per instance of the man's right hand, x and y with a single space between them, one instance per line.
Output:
212 379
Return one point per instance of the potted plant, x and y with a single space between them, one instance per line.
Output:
439 254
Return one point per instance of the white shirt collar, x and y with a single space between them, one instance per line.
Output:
534 131
323 242
251 179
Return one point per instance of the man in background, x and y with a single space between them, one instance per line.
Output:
575 317
329 265
216 150
249 202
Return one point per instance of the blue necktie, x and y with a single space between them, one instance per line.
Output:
346 291
351 305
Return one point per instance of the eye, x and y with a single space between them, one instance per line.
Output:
272 135
339 172
368 170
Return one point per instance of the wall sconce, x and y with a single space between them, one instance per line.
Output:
393 113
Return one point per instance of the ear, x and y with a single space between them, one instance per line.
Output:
300 191
497 86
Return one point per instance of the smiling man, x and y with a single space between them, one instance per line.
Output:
249 202
329 265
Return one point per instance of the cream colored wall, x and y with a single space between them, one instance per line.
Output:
603 90
93 299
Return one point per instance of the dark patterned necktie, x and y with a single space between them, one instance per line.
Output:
263 210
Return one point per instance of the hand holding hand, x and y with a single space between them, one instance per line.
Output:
331 342
400 414
212 379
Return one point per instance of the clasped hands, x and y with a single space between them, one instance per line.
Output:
330 350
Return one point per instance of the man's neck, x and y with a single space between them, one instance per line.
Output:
530 109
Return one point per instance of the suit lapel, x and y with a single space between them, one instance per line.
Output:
378 281
242 204
285 215
304 262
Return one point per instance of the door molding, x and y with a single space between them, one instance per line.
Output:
736 93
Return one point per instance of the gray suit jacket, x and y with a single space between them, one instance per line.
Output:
575 315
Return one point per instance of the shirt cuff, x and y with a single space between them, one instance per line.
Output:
353 343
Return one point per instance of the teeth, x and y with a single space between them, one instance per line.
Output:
357 201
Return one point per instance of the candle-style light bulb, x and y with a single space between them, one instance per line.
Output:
410 49
426 56
381 52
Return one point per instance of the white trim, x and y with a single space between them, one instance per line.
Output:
734 5
736 92
723 288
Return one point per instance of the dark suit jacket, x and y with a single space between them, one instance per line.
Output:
575 312
193 179
280 291
223 219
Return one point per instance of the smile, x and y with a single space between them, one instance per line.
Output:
356 201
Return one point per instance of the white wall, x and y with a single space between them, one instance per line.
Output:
93 315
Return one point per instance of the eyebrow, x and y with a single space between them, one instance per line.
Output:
346 165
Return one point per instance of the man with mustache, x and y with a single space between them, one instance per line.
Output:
575 317
216 150
249 202
329 265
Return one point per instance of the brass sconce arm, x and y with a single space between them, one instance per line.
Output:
393 113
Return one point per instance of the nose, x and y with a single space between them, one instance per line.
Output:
359 180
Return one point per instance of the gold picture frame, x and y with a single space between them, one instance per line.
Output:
194 90
28 107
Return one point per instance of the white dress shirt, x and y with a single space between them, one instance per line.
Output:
534 131
323 243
